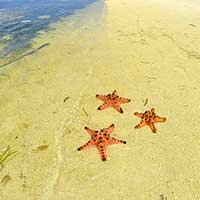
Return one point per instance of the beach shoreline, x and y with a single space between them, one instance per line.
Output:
142 49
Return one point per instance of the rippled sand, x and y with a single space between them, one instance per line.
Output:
143 50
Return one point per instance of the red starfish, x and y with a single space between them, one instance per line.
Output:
101 139
112 100
149 118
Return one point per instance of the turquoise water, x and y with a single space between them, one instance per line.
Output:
22 20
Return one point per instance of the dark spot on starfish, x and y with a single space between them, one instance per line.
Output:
103 159
99 141
121 111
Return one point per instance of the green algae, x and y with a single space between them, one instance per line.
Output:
6 156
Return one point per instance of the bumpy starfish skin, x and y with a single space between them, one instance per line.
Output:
112 100
101 139
149 118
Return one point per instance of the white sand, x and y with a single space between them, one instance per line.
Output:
143 49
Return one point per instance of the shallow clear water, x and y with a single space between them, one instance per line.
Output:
149 51
21 20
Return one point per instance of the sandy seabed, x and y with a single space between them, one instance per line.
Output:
144 50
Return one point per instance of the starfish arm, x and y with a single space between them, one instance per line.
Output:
110 129
124 100
114 92
90 131
87 145
101 97
140 115
152 126
159 119
113 140
102 151
141 124
103 106
118 108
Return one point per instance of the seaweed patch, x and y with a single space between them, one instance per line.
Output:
41 148
5 180
6 156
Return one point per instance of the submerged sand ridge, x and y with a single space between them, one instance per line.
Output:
141 49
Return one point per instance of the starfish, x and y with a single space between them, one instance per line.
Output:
101 139
149 118
112 100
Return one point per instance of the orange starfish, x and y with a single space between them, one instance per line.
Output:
112 100
101 139
149 118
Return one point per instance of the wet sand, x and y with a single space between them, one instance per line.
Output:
141 49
